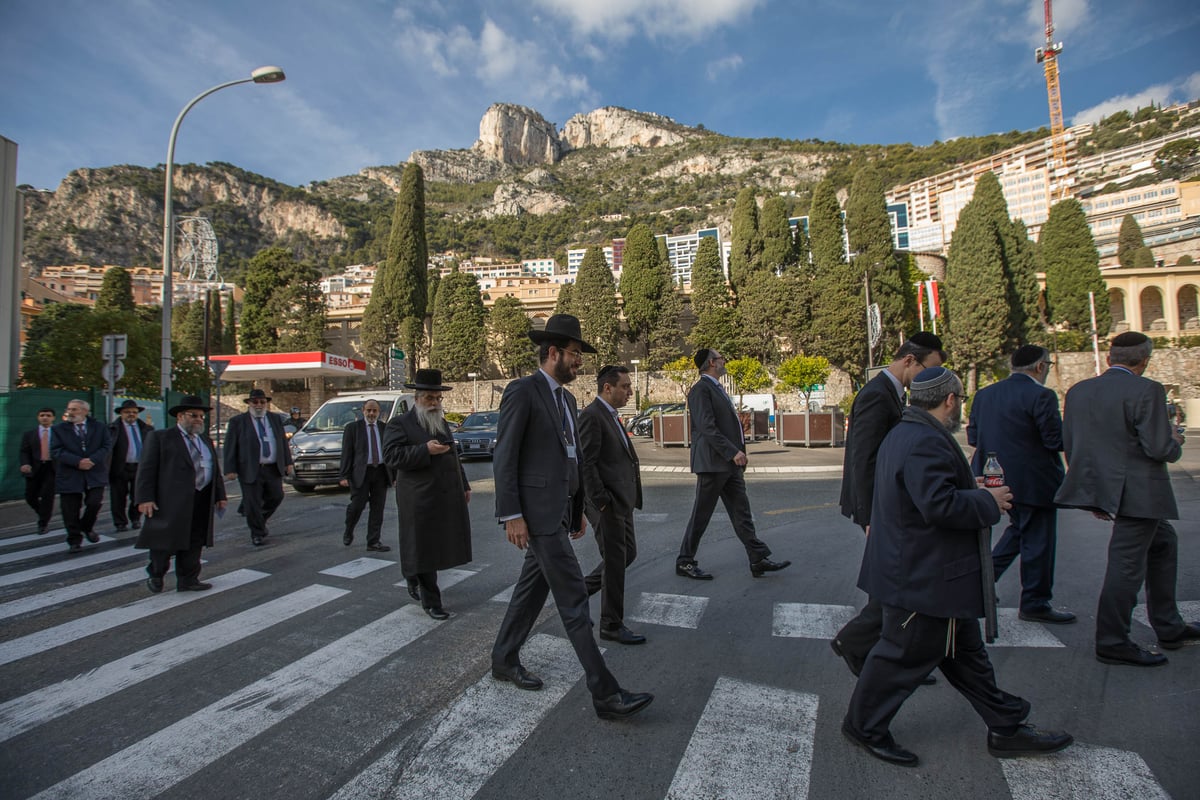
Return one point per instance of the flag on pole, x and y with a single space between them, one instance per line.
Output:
931 289
920 305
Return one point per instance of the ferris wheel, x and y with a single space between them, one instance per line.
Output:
196 249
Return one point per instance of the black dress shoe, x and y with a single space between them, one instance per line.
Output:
121 528
198 586
1048 615
378 548
1027 741
347 539
757 568
692 570
1129 654
1190 636
414 592
256 541
91 536
154 584
854 665
437 613
43 529
75 548
517 676
137 523
887 751
622 635
621 705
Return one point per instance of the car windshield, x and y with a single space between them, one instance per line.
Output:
337 414
490 419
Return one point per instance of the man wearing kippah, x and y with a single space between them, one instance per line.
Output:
1018 420
928 565
1118 441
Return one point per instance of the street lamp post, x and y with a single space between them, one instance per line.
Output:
637 403
474 391
260 75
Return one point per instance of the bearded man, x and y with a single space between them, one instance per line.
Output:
257 454
432 492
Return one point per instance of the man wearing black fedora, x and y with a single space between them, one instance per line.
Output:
178 487
432 492
539 500
256 453
128 432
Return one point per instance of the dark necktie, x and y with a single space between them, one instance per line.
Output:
372 445
262 437
563 412
81 431
197 462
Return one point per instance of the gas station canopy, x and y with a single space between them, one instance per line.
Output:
315 364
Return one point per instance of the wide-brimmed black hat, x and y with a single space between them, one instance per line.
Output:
129 404
429 380
189 402
258 394
562 326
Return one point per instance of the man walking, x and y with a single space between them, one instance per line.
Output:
1018 420
612 487
80 448
256 453
1118 441
432 492
876 410
178 488
364 472
128 432
37 467
718 458
539 501
923 564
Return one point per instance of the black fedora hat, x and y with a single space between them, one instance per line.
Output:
129 404
562 326
258 394
429 380
189 402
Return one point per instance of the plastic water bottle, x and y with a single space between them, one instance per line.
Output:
993 473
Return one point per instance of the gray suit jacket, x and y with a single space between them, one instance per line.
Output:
1117 439
610 470
716 429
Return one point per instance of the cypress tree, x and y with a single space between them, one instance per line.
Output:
645 282
116 291
975 300
716 324
1143 258
565 304
869 232
595 301
459 344
298 309
746 249
779 251
1024 300
1072 266
761 311
666 336
825 229
261 277
838 329
508 326
1129 241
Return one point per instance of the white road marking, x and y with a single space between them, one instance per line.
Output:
649 517
672 610
810 621
1082 772
24 713
49 638
449 577
357 568
1016 632
29 538
160 761
476 735
73 592
506 597
752 741
69 563
51 548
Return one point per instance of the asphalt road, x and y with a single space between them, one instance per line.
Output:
308 673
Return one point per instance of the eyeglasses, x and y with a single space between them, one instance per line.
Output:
578 354
962 396
194 414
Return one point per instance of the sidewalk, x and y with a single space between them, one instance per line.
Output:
765 457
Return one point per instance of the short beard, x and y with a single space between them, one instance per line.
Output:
431 420
258 412
953 424
562 372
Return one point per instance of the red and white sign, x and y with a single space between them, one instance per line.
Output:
314 364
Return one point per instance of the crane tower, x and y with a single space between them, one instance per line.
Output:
1047 55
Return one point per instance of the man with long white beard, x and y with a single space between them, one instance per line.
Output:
256 453
432 492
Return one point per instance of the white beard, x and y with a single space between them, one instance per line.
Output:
432 421
258 413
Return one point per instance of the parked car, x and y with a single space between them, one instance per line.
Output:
476 436
317 447
643 423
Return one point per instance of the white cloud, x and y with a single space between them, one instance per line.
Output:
620 19
731 63
1070 16
1186 88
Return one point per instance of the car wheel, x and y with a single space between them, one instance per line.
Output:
304 488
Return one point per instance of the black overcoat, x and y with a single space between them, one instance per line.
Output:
167 477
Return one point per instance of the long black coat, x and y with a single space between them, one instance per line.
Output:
876 410
435 526
167 477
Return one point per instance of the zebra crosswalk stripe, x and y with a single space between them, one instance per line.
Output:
70 564
38 552
1082 771
36 602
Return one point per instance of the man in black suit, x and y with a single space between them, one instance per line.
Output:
1118 441
719 461
876 410
539 500
1018 420
37 467
363 470
925 565
128 434
257 454
80 448
178 488
612 486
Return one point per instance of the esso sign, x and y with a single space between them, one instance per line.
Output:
337 361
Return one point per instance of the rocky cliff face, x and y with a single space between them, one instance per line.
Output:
620 127
514 134
456 166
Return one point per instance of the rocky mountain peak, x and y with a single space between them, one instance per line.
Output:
613 126
513 134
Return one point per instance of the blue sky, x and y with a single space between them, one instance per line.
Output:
91 84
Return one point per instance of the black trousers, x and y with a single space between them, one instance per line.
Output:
261 497
1032 533
910 647
431 595
860 634
79 512
372 492
120 489
731 488
618 548
1141 550
187 562
550 566
39 491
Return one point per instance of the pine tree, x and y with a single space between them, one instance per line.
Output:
1072 266
869 232
716 323
645 282
825 229
116 291
666 337
261 277
1020 263
459 345
508 328
746 248
595 301
801 247
975 300
565 304
761 310
298 309
838 330
1129 241
399 299
779 250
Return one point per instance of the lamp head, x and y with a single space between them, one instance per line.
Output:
268 75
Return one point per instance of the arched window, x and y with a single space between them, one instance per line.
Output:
1116 310
1189 308
1153 318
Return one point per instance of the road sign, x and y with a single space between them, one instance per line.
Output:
112 371
115 346
397 354
217 365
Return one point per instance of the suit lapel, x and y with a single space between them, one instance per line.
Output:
542 389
